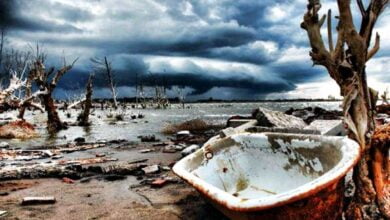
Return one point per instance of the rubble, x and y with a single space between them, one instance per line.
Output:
169 149
25 155
144 151
4 144
148 138
310 114
79 140
158 183
328 127
68 180
137 161
193 126
85 161
3 213
189 150
38 200
18 129
151 169
227 132
67 169
268 118
183 133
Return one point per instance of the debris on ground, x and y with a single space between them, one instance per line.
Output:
4 144
328 127
100 155
68 180
183 133
144 151
138 161
38 200
85 161
310 114
148 138
158 183
3 213
238 120
25 155
169 149
193 126
227 132
268 118
151 169
79 140
189 150
18 129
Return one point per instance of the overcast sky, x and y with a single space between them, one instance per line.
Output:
229 49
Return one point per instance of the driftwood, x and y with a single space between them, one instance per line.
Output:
346 63
38 200
74 171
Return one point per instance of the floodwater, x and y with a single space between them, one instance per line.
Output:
105 128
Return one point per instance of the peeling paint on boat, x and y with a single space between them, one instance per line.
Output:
253 172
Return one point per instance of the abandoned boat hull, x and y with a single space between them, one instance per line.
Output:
272 176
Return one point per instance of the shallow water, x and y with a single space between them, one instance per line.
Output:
154 121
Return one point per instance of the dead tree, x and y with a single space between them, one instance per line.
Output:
384 97
6 94
46 87
2 41
106 67
181 95
346 63
84 116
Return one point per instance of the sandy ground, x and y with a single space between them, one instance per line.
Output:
99 199
102 199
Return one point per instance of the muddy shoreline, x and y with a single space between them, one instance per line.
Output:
117 195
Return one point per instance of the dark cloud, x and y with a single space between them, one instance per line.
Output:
189 42
6 9
200 83
250 33
251 53
13 17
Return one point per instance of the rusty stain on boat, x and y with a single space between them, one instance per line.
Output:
250 176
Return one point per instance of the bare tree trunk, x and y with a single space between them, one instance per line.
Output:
28 93
84 117
53 120
136 90
47 86
346 65
2 40
111 81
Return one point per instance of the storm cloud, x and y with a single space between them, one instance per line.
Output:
250 48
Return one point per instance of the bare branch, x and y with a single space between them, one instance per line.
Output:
312 25
361 8
62 72
322 20
375 49
330 37
15 84
33 96
373 11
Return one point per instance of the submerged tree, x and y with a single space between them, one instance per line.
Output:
105 66
46 85
84 116
346 63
